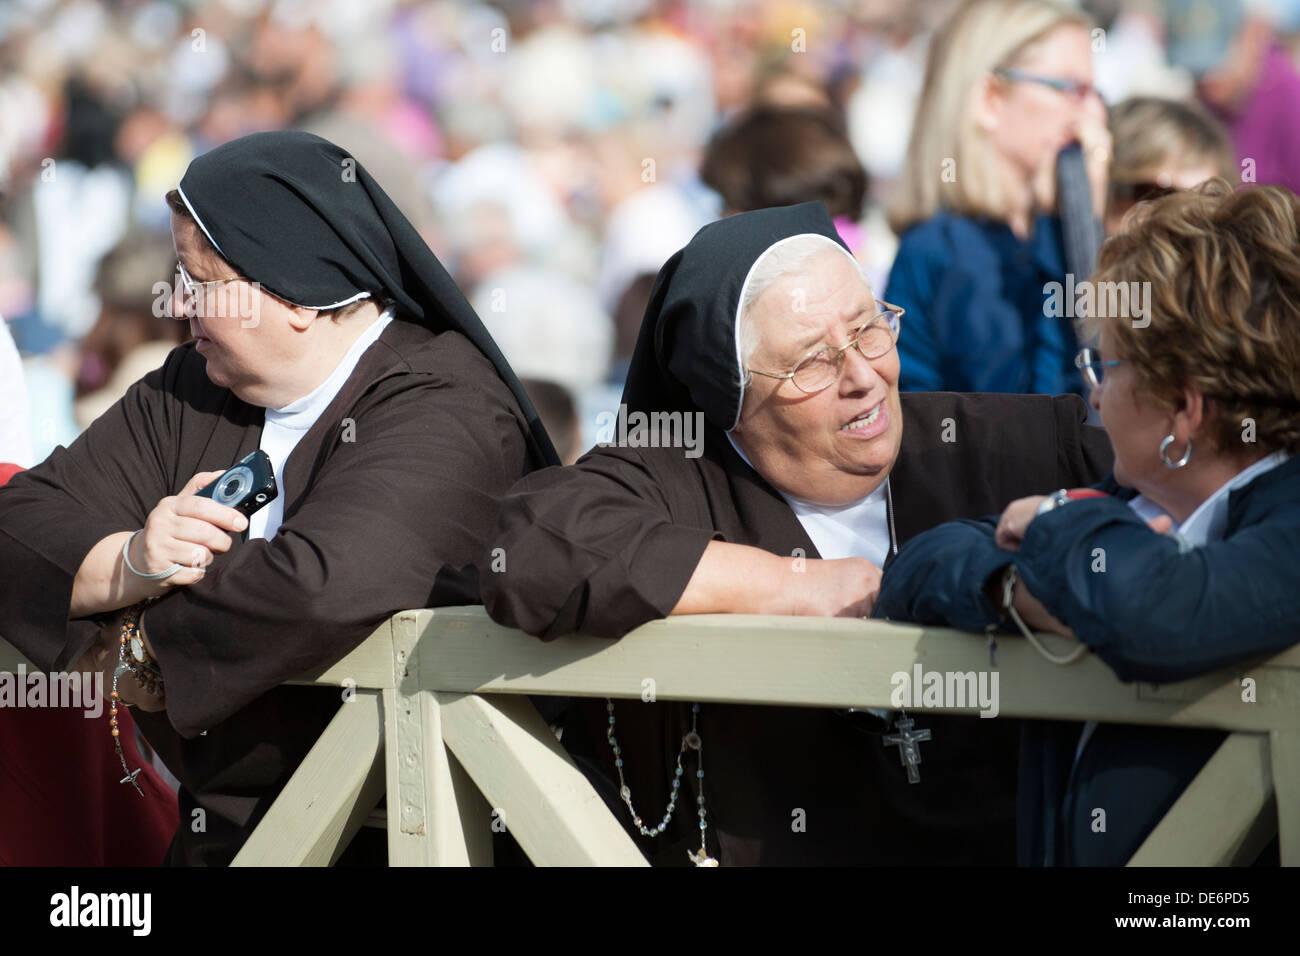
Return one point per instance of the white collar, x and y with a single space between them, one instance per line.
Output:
1207 522
301 413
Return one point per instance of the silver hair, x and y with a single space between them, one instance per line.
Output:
785 258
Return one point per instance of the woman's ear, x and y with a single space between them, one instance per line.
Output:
301 318
1191 412
986 103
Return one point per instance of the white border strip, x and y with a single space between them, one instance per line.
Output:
190 206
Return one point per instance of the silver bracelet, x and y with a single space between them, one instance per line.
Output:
156 575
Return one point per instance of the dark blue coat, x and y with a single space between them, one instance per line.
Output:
1157 613
976 321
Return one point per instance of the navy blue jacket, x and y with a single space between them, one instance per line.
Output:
1157 613
975 297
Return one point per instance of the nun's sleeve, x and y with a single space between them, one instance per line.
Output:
1084 453
106 481
593 548
395 519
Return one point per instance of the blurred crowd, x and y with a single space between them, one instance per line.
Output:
554 154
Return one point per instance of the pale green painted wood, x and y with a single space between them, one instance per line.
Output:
422 658
329 796
10 659
428 797
1214 822
532 784
833 662
1284 746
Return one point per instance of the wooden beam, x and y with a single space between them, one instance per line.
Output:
329 796
368 665
833 662
429 796
1216 821
1284 752
532 784
10 659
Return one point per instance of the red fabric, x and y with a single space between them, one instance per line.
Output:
59 791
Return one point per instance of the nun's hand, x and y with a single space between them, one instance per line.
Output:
841 587
187 530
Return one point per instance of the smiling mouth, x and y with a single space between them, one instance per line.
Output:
865 420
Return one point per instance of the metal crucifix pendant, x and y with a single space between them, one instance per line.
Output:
907 740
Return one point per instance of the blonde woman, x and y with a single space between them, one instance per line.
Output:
1008 85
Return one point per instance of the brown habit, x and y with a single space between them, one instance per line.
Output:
385 512
608 544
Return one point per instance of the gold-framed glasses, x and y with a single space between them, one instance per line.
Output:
193 287
822 368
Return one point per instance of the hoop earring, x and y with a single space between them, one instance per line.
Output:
1164 446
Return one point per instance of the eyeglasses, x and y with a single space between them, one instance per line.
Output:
1093 366
192 286
823 367
1138 192
1075 89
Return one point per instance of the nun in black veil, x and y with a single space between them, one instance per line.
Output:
328 336
813 471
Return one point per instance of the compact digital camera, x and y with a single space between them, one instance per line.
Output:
246 487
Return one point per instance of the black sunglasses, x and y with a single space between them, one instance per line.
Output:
1139 192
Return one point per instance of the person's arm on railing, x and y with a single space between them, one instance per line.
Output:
1156 612
592 548
942 577
595 548
739 579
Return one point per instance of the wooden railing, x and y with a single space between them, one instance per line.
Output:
436 718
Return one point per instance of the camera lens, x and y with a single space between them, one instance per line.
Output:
234 486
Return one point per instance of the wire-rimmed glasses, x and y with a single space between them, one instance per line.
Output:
194 287
819 369
1077 90
1093 366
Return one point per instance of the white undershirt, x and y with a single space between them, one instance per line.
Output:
1202 526
859 529
285 426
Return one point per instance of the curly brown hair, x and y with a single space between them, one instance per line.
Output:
1224 274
